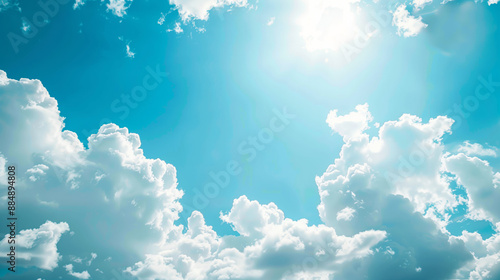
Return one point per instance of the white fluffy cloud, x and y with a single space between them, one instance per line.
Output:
384 203
199 9
351 125
125 189
135 203
486 263
481 183
37 247
250 218
269 247
392 182
408 25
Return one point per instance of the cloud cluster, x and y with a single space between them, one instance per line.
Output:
270 246
385 203
392 182
134 203
199 9
100 191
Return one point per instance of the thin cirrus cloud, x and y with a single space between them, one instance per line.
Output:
5 5
385 203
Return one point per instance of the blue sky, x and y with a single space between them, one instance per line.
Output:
208 77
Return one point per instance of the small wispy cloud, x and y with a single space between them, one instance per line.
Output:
271 21
475 149
80 275
118 7
26 27
93 256
129 52
161 20
4 5
78 4
177 29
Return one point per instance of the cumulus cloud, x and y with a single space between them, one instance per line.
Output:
270 246
481 183
37 247
199 9
392 181
134 199
405 170
249 217
135 203
351 125
408 25
405 156
486 263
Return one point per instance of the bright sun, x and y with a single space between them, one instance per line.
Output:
326 25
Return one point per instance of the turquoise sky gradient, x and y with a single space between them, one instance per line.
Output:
222 85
